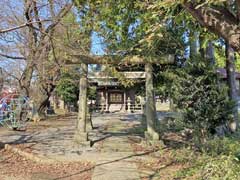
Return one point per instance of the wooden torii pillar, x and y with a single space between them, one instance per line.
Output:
81 134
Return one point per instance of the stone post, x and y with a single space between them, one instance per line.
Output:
81 135
129 105
102 103
107 101
151 132
124 101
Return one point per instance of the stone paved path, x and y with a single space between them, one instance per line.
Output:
111 153
116 159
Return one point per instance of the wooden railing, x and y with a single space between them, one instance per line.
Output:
103 108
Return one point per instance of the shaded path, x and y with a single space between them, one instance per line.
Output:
111 153
116 158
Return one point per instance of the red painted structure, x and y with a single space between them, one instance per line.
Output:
10 93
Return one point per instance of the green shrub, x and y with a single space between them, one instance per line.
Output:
222 146
171 124
222 167
67 86
219 159
209 168
201 98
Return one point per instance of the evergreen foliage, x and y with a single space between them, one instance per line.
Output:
67 87
92 93
201 97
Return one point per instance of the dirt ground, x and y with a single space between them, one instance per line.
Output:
16 167
152 162
13 166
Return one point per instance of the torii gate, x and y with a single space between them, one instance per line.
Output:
81 134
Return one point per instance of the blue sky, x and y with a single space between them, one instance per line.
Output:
97 46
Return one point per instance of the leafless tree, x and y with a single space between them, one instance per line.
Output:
30 29
1 79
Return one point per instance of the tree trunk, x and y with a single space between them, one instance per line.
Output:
1 79
150 105
231 82
25 80
42 105
217 20
193 44
201 45
81 124
210 53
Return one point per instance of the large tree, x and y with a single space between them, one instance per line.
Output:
223 19
220 17
32 26
1 79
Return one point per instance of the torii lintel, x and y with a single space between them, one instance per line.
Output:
117 60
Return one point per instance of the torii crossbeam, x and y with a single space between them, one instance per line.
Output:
118 60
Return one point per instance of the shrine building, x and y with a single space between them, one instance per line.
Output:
112 96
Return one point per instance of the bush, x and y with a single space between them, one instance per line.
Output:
171 123
224 160
222 146
67 90
209 168
222 167
219 159
201 98
67 87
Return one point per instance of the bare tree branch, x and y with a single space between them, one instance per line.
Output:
60 15
35 9
21 26
51 8
12 57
